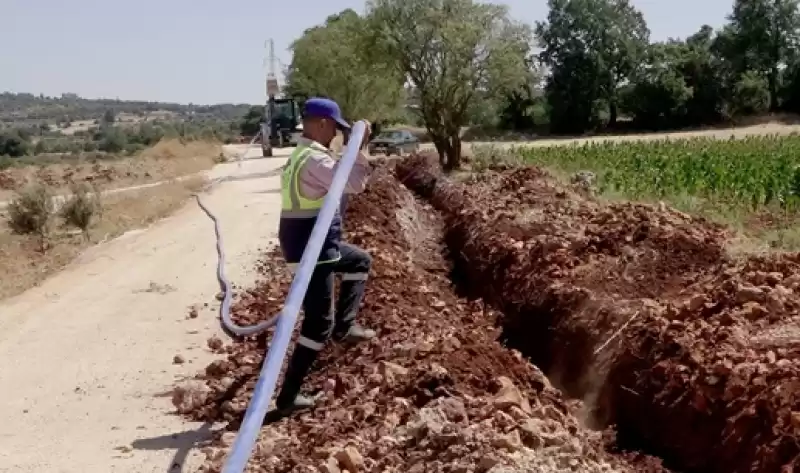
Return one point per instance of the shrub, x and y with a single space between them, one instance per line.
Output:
13 144
81 207
112 140
31 210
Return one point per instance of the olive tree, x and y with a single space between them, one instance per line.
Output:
450 52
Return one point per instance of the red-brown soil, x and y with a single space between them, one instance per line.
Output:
636 310
436 392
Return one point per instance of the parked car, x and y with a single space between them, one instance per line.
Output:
391 142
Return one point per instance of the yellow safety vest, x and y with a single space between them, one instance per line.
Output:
296 211
293 204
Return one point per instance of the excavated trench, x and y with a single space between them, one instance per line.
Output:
703 372
436 392
636 311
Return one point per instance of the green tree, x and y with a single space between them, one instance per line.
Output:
591 47
251 122
704 72
751 94
659 94
791 88
108 117
571 93
147 134
450 51
333 61
12 144
761 37
112 140
681 83
518 107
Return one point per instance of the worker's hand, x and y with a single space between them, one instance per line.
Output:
345 138
364 140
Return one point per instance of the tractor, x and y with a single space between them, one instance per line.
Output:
282 126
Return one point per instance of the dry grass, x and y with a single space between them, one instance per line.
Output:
168 159
23 265
137 209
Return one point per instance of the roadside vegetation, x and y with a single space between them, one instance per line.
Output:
62 158
167 159
103 138
53 212
53 235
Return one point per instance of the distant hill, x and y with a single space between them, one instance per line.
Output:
29 109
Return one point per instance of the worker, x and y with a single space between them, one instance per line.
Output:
305 182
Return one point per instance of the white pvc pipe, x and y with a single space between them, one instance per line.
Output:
268 378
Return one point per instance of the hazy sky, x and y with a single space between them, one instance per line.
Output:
204 51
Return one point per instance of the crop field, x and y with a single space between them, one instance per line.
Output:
525 326
750 173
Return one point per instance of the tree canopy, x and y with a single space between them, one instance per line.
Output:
591 47
333 60
457 63
451 51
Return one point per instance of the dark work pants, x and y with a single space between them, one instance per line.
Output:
321 318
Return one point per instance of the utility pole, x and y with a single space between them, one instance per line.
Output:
273 89
272 80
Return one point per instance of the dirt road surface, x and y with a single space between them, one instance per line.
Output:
86 355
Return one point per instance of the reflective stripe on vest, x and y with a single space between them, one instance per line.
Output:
293 204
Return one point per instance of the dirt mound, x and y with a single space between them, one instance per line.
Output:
635 309
436 392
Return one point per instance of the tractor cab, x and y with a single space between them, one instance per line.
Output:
282 126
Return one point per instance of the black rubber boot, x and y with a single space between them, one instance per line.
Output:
289 398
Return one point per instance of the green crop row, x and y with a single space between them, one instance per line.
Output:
739 173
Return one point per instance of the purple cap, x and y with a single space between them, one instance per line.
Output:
324 108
